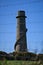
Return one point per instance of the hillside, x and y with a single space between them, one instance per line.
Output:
21 63
20 56
25 58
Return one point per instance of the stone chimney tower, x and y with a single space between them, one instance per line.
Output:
21 43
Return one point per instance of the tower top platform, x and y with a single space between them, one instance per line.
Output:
21 14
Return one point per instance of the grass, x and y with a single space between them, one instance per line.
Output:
5 62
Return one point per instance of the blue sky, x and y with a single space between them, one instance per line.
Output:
34 24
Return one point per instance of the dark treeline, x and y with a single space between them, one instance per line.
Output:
20 56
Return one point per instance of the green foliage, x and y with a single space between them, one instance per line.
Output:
24 56
5 62
20 56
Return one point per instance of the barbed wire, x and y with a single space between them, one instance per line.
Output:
41 41
36 32
24 3
8 24
29 11
14 14
14 23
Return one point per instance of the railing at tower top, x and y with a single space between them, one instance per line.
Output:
17 42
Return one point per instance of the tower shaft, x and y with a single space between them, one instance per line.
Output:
21 44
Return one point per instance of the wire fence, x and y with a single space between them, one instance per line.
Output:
24 3
13 14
